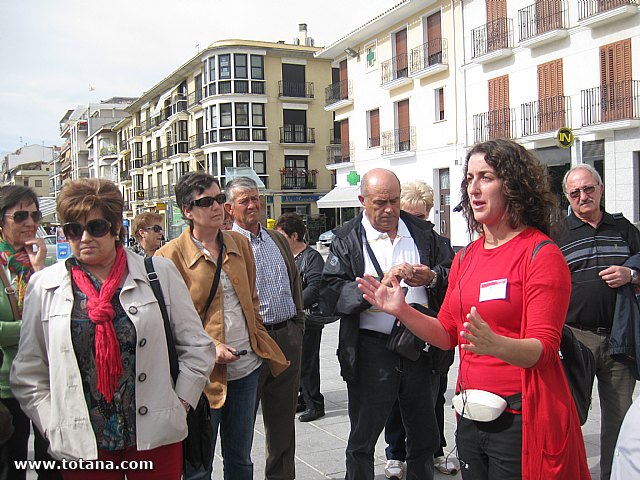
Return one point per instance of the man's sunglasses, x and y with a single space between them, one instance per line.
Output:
155 228
96 228
21 215
205 202
588 190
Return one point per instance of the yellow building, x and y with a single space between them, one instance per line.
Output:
238 104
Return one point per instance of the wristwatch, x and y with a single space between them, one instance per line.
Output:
435 280
634 275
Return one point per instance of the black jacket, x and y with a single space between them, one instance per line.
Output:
339 292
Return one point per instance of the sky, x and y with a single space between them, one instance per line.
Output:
52 52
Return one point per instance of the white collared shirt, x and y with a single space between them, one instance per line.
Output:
402 250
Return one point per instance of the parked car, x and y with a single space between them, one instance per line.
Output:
50 242
326 238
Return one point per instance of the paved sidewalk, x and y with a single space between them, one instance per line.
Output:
320 445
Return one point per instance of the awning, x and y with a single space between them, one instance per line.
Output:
341 197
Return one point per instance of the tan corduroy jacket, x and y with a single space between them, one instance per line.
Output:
238 263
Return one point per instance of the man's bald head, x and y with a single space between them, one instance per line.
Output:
378 176
380 198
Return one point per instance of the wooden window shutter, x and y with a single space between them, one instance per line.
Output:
344 140
402 62
344 80
499 120
403 124
551 113
434 28
616 94
374 128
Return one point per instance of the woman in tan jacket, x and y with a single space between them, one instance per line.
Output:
229 311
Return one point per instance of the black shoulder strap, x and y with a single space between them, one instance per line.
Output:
538 247
216 278
373 258
152 276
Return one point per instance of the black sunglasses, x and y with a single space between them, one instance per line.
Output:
155 228
221 198
21 215
96 228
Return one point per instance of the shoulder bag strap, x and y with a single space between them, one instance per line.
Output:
11 293
216 278
152 276
372 256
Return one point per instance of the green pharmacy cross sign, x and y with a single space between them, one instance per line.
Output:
353 178
371 57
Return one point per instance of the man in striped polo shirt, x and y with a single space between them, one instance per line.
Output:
596 246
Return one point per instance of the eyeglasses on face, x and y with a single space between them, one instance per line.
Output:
205 202
155 228
21 215
588 190
96 228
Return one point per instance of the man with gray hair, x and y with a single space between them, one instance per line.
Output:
384 242
597 247
281 307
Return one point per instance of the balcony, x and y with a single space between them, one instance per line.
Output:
297 134
297 178
617 102
395 72
340 153
338 95
144 126
138 163
545 116
543 22
429 58
125 176
196 141
499 123
108 150
595 13
194 98
400 140
178 104
136 131
492 41
298 90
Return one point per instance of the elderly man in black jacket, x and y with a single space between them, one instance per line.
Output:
384 240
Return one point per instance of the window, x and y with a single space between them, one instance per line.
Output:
224 63
242 114
373 127
257 67
38 183
257 114
439 99
240 65
243 158
226 160
260 162
212 69
213 117
225 115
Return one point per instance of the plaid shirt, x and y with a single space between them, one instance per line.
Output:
272 279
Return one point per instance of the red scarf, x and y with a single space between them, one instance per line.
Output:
101 313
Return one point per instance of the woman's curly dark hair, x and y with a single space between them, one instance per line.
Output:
526 186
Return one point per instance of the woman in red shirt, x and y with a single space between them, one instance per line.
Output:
505 308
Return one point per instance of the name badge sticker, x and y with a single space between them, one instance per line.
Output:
493 290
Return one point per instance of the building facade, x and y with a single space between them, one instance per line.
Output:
238 107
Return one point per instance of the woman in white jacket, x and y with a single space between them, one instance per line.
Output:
92 369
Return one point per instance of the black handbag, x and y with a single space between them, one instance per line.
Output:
197 448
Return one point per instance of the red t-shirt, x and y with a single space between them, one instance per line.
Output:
547 293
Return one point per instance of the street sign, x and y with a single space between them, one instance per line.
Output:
565 137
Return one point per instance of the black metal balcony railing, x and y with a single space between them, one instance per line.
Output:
589 8
196 141
295 89
399 140
610 103
194 98
297 178
545 115
394 68
500 123
144 126
297 134
155 156
492 36
340 153
541 17
146 160
125 175
428 54
337 91
333 138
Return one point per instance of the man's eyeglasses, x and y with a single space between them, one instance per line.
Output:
155 228
205 202
21 215
588 190
96 228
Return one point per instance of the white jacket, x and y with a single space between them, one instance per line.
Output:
45 377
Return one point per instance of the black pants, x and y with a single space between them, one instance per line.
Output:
16 447
491 450
383 378
310 368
